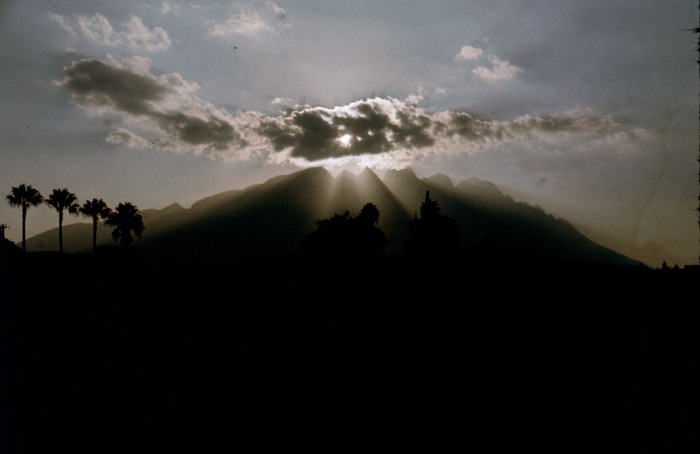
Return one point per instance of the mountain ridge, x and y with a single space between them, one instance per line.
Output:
276 215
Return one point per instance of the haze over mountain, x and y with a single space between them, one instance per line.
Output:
278 214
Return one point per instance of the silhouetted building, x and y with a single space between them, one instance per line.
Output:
6 246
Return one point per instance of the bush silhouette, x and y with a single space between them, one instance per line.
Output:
345 236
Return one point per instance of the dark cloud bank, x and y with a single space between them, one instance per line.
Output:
98 84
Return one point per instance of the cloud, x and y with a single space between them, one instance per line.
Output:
243 23
278 11
163 111
417 98
63 23
99 84
499 70
383 126
467 53
282 101
139 37
133 33
244 20
163 106
168 8
127 138
371 126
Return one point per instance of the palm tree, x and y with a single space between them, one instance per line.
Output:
125 219
24 196
95 209
59 200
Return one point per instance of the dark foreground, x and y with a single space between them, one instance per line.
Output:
142 355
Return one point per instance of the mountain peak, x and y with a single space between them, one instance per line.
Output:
316 171
481 188
368 175
345 174
408 171
173 207
441 180
368 172
170 209
405 174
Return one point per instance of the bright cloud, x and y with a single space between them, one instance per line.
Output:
284 102
244 20
139 37
467 53
132 33
276 10
243 23
417 98
168 8
499 70
127 138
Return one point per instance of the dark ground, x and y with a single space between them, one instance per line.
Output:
117 355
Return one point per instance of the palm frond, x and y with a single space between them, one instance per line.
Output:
24 196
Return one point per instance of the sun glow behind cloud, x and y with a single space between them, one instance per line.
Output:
345 140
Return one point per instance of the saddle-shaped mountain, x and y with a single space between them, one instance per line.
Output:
276 216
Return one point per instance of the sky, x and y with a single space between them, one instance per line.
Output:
589 108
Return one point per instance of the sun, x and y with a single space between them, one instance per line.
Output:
345 140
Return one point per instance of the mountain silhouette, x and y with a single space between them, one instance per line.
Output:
276 216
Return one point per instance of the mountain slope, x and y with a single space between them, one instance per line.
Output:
264 218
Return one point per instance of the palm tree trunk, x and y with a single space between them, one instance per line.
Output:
24 228
124 239
94 234
60 231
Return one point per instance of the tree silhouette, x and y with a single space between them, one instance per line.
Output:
125 219
369 215
59 200
95 209
345 236
429 208
24 196
432 233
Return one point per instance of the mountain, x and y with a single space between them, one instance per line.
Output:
277 215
